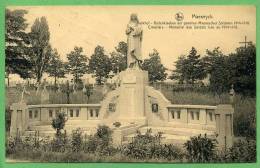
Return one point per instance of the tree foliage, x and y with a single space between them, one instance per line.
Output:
189 68
100 64
77 63
56 67
118 58
180 70
243 69
58 123
156 70
217 67
40 47
16 44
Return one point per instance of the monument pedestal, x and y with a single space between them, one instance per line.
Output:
131 101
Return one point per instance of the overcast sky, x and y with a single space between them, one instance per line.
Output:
89 26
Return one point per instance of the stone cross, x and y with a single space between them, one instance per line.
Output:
44 95
246 42
23 92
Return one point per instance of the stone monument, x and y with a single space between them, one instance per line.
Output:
44 96
129 103
133 105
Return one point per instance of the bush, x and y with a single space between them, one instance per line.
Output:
200 149
60 143
245 117
58 123
100 142
242 151
76 140
148 146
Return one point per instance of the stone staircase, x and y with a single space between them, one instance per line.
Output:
88 128
171 135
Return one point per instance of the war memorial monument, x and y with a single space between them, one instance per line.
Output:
134 104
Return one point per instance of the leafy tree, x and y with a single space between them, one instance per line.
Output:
40 47
243 69
156 70
118 58
16 44
190 68
218 68
195 67
180 70
77 64
58 123
56 67
100 64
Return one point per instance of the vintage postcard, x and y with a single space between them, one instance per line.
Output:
133 83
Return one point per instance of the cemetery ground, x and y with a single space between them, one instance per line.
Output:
79 147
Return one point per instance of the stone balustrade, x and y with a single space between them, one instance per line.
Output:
46 112
24 116
201 117
215 118
192 114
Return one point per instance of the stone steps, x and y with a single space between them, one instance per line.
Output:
166 139
88 127
170 135
177 131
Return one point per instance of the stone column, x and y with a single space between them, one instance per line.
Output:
19 118
203 116
184 115
224 125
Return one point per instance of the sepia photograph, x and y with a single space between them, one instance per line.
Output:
130 84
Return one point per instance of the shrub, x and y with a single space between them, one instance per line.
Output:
60 143
76 140
100 142
171 152
148 146
242 151
245 117
200 149
58 123
10 145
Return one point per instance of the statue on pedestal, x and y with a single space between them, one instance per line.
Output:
134 34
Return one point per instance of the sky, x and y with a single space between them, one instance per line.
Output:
89 26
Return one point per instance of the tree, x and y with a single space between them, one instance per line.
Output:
156 70
58 123
118 58
100 64
180 70
40 47
218 68
242 65
16 44
195 68
77 64
56 67
189 68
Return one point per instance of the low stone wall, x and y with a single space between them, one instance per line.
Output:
25 116
201 117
